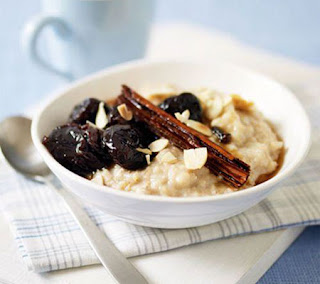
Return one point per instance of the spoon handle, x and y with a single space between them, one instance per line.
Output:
115 263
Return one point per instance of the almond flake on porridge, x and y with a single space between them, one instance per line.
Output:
200 127
145 151
169 158
158 145
195 158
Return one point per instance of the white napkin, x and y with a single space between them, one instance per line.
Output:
49 239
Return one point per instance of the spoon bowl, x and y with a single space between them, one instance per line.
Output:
19 150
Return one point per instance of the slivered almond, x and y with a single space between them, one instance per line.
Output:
186 114
101 117
125 112
144 151
179 116
183 117
148 159
158 145
169 158
200 127
195 158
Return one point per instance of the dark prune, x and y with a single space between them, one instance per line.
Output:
148 135
93 137
122 140
86 111
114 117
181 103
77 148
223 137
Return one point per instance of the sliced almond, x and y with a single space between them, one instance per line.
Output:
183 117
158 145
200 127
186 114
125 112
101 117
144 151
195 158
178 116
169 158
148 159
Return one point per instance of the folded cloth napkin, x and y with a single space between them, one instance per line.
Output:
49 239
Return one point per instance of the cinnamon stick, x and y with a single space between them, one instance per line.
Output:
220 162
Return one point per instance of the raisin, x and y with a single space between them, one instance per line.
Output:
223 137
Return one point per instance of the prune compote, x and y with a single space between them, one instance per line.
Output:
86 111
77 148
181 103
122 141
114 117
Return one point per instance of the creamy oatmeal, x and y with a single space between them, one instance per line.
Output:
252 140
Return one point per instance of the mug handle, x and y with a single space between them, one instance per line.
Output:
31 35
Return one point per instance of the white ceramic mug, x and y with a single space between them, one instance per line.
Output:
73 38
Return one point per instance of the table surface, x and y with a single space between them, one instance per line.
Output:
286 29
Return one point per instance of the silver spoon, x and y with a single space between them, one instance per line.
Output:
18 149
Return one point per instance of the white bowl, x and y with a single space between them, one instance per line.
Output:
276 102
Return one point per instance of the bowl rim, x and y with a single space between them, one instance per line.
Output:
159 198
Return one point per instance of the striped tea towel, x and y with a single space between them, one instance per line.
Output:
49 239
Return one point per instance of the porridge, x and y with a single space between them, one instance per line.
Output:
162 160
